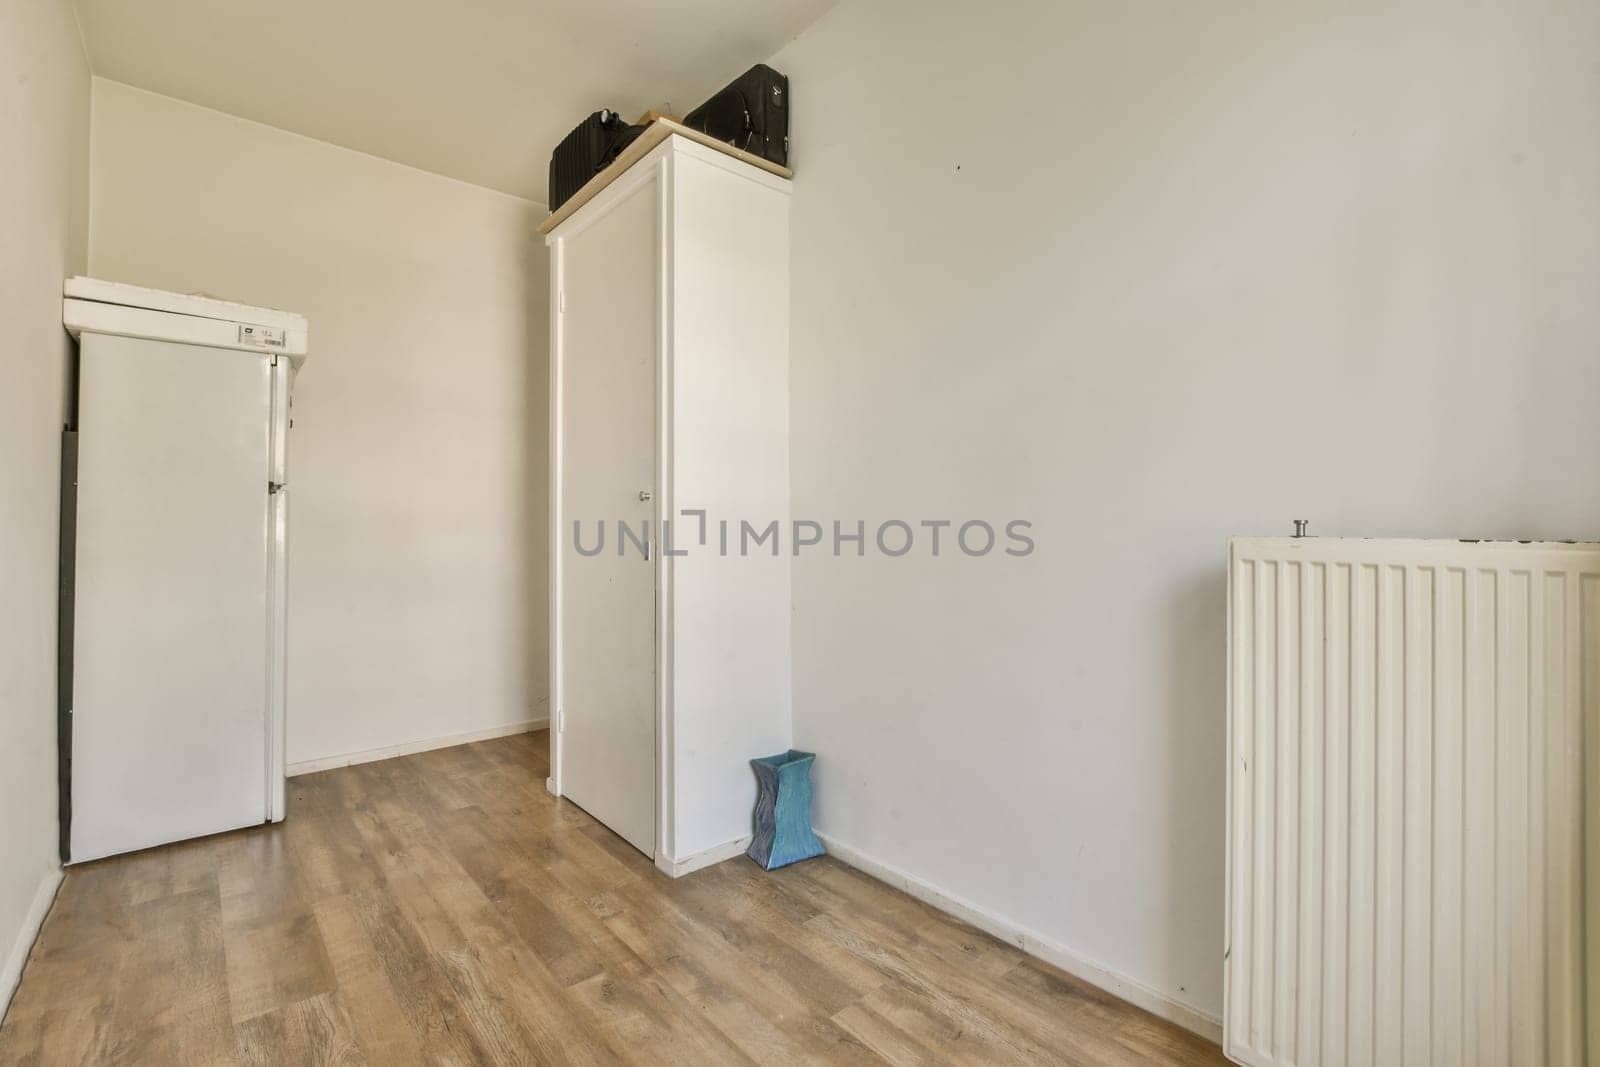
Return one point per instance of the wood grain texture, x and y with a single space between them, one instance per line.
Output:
442 907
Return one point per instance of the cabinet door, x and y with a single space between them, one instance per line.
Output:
606 439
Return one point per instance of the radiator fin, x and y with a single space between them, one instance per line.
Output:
1413 733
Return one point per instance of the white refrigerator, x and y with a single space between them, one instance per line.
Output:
175 566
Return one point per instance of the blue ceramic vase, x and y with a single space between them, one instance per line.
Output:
783 810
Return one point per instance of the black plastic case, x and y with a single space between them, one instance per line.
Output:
586 151
751 114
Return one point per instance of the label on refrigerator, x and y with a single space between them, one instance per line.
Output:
261 336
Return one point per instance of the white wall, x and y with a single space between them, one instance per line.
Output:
417 535
1150 275
44 158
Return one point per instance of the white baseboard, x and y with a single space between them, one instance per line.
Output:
43 897
372 755
1058 955
721 853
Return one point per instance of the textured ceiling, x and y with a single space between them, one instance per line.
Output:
479 90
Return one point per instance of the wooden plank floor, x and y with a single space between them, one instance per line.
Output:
443 908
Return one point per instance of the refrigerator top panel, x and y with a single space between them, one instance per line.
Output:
121 310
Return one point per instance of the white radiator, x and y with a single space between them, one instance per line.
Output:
1413 801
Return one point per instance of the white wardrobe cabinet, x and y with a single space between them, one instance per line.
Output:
669 417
